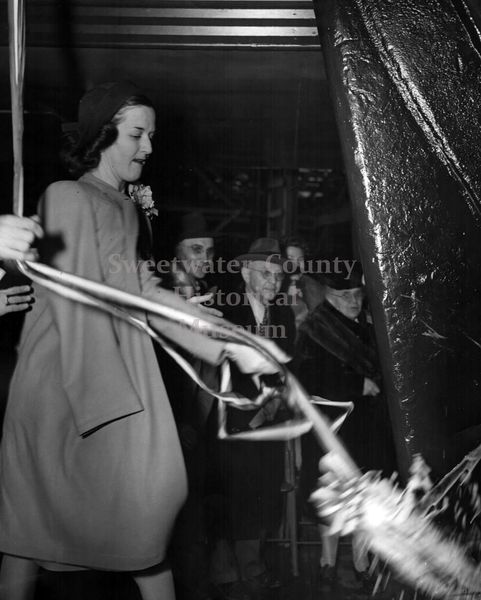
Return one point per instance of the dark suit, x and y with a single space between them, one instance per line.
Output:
253 471
333 357
191 406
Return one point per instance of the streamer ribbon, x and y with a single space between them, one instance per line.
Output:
116 301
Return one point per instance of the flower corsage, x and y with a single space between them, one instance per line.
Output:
142 195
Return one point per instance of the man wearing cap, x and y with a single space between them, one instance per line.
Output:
253 471
336 359
194 252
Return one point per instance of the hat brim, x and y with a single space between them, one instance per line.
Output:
271 257
342 283
198 234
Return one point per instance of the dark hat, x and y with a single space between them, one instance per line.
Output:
267 249
344 277
99 105
193 225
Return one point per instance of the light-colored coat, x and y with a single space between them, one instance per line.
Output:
91 469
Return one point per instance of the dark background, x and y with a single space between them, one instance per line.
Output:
246 128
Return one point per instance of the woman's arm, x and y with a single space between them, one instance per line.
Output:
200 345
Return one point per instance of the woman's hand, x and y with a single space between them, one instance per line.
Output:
251 361
15 299
17 234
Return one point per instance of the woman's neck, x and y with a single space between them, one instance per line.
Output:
106 175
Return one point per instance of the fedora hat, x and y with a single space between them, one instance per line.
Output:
343 278
264 248
193 225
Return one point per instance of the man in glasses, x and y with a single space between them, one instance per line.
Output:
253 472
262 279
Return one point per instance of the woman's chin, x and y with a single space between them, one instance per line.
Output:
135 173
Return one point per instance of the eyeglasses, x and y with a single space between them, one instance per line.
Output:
269 274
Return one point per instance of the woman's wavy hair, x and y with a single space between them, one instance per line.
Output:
78 159
296 241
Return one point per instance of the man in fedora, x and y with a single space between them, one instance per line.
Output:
336 358
263 273
253 472
260 309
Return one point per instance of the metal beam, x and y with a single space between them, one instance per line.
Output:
227 23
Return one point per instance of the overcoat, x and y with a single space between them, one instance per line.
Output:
252 472
333 356
91 469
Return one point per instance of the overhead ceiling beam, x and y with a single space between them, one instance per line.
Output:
214 24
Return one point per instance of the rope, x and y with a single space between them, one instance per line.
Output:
16 22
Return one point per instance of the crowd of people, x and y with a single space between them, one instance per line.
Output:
110 458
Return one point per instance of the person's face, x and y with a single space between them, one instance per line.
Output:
347 302
296 255
263 279
124 160
196 254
